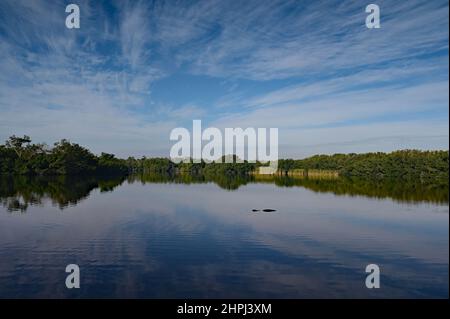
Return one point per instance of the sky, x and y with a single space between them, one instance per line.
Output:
135 70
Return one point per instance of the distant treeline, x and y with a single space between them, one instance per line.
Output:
18 156
423 166
165 165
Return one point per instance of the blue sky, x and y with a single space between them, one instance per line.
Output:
137 69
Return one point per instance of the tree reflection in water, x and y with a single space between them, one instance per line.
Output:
17 193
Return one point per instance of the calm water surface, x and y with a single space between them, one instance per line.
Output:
159 237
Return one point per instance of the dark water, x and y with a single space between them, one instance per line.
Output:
189 237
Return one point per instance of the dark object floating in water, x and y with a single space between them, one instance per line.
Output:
255 210
266 210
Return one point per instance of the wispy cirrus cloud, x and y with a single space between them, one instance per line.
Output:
137 69
83 85
279 39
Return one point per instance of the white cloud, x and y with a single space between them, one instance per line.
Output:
346 83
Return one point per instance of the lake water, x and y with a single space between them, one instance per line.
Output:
163 237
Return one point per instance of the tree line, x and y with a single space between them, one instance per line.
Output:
405 164
19 156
